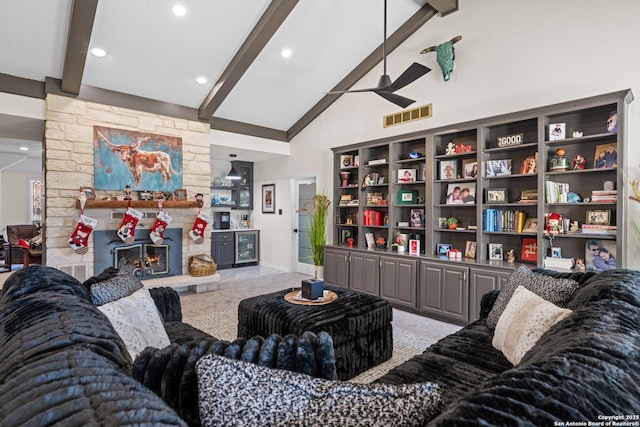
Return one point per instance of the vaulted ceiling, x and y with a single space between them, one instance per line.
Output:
153 57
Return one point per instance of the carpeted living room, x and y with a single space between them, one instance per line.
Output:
297 213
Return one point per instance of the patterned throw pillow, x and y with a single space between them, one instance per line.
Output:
557 291
525 319
233 392
120 286
137 320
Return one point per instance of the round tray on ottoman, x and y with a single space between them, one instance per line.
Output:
360 325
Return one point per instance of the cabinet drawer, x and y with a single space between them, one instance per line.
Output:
223 237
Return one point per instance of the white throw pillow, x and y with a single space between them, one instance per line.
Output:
137 320
524 320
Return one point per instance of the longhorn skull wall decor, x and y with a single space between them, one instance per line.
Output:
445 55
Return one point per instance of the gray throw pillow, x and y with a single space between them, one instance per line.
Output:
119 286
557 291
233 392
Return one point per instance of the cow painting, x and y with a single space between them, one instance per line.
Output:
142 161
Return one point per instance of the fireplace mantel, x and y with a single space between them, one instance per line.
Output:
143 204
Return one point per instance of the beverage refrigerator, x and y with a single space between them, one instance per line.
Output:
247 247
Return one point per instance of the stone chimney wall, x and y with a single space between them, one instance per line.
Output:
69 164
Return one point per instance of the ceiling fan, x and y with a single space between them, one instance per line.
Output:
386 87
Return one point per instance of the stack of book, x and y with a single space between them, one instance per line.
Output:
529 197
604 196
598 230
503 220
558 264
557 192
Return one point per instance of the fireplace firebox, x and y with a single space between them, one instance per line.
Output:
144 257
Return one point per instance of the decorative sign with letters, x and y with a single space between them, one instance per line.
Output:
515 139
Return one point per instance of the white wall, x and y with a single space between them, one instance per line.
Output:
15 188
513 56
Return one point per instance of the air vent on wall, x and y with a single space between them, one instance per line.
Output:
405 116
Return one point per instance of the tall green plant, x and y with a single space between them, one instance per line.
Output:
318 208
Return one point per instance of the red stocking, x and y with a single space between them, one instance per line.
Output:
127 230
197 231
157 231
79 240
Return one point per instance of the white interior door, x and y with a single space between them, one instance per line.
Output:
303 190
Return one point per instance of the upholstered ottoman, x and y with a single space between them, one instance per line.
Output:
360 325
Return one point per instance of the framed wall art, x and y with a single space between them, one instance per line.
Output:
269 198
141 160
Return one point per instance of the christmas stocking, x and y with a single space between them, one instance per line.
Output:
80 238
127 230
197 231
157 232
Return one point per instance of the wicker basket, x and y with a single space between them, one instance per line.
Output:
202 265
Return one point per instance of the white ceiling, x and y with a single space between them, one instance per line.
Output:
151 53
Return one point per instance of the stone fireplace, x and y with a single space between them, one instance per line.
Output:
69 164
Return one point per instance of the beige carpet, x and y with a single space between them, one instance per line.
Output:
224 325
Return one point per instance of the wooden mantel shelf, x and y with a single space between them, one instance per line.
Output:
142 204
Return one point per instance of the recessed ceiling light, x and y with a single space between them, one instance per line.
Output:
100 53
286 53
179 10
201 80
24 148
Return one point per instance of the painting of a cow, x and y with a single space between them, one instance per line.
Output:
141 160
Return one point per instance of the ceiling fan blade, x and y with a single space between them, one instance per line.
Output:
411 74
400 101
336 92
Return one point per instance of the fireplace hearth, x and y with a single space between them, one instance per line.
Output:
143 256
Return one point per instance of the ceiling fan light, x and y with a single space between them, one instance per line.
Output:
232 175
385 81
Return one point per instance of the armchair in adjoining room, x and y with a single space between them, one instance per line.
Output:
26 253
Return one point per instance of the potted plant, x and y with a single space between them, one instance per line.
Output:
318 208
401 242
452 223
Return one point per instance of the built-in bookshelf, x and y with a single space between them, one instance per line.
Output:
503 178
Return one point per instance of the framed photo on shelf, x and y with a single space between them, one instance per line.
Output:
88 192
371 241
346 161
448 169
269 198
442 223
530 225
458 194
600 255
495 195
470 249
443 248
181 194
421 173
557 131
470 168
406 175
497 167
145 195
345 233
495 251
602 217
606 156
529 249
417 218
414 247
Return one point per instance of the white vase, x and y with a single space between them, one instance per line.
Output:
319 271
402 248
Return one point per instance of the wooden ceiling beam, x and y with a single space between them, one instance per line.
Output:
444 7
271 20
83 13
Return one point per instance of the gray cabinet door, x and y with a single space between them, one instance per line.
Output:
398 280
364 271
482 281
336 267
223 249
444 291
